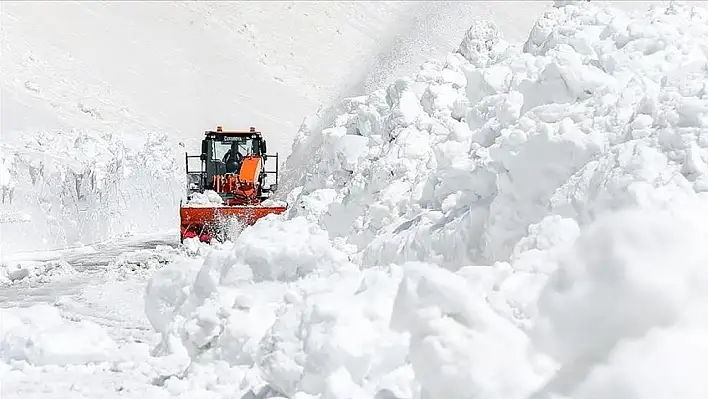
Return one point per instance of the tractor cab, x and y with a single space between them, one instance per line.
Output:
224 154
224 151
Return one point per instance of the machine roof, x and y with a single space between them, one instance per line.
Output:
220 132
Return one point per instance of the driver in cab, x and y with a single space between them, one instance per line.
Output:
233 159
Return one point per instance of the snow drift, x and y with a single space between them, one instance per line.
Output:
508 223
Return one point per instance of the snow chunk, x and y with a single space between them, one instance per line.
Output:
34 271
482 44
285 251
209 197
167 289
404 103
349 148
445 320
274 202
40 336
332 336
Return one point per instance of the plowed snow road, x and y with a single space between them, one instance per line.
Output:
92 293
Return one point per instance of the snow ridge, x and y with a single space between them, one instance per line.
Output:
508 223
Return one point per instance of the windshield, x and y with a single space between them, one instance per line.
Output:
243 146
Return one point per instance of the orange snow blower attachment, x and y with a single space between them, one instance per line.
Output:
230 185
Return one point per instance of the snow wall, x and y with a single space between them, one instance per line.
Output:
507 223
64 188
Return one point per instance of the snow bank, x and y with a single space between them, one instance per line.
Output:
39 336
78 187
456 167
545 206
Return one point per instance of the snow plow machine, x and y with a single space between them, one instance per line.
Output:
229 186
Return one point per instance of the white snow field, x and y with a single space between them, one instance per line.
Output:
514 220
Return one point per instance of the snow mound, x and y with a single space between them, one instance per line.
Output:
244 305
633 278
223 311
33 272
194 247
541 211
457 340
39 336
272 252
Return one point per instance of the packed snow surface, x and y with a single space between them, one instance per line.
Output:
509 222
74 324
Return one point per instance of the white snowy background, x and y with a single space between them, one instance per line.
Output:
502 200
